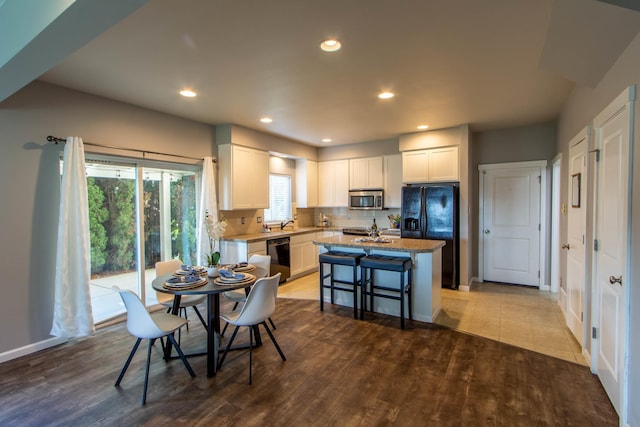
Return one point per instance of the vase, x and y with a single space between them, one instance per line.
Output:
212 271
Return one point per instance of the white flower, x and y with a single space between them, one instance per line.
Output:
215 231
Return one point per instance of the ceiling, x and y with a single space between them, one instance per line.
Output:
448 62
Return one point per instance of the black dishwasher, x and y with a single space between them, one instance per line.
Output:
278 249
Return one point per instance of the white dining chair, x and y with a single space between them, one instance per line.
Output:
167 267
259 306
264 263
142 325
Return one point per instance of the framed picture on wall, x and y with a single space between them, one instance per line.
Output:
575 190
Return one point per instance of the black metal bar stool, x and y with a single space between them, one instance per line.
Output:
334 258
370 288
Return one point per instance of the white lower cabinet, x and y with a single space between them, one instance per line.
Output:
304 254
233 252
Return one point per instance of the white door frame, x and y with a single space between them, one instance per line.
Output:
542 164
556 179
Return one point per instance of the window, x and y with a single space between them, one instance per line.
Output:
279 198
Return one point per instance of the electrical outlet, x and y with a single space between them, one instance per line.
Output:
259 219
241 220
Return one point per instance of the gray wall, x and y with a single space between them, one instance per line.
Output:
518 144
581 108
30 187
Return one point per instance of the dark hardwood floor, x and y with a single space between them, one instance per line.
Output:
339 371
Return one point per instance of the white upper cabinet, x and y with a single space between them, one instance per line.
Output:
436 164
333 183
243 181
393 181
443 164
366 173
306 183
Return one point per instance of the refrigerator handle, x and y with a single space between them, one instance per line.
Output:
423 213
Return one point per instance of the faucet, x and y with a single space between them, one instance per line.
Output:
285 223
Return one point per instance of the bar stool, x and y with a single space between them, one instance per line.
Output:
370 288
334 258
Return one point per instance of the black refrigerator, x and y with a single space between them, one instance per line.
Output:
430 211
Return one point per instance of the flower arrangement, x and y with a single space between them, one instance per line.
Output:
215 231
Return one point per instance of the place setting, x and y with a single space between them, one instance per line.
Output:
187 277
190 270
232 277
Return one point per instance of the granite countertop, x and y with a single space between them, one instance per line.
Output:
257 237
396 245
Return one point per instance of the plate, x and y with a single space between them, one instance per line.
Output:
185 285
246 278
237 277
248 267
197 269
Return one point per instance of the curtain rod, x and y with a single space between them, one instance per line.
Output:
56 140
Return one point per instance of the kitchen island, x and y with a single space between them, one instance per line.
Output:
427 271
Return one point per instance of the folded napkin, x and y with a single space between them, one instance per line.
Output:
184 279
228 274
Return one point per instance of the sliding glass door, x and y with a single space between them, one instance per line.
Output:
139 214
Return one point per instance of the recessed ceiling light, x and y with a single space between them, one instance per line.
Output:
266 119
188 93
330 45
327 139
423 127
386 95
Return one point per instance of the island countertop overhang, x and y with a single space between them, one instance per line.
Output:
412 246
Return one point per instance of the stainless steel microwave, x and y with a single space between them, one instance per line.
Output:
366 199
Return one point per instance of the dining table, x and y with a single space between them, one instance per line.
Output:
212 289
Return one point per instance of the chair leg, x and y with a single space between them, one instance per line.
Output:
199 317
273 340
321 268
226 350
184 311
235 306
146 372
126 365
181 354
273 325
251 332
226 325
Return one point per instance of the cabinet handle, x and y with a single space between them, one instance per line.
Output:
567 246
487 231
614 280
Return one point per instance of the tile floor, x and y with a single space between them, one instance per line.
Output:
517 315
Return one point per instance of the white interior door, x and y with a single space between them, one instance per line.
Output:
576 231
511 225
612 234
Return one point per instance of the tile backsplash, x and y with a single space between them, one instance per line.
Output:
307 217
345 217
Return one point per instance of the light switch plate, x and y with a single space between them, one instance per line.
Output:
259 219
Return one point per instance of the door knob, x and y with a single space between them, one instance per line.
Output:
613 280
487 231
567 246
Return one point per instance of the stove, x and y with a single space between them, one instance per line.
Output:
355 231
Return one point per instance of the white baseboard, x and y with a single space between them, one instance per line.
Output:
467 288
31 348
545 288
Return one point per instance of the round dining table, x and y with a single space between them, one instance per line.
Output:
212 290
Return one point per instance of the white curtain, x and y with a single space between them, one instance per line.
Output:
72 315
208 203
